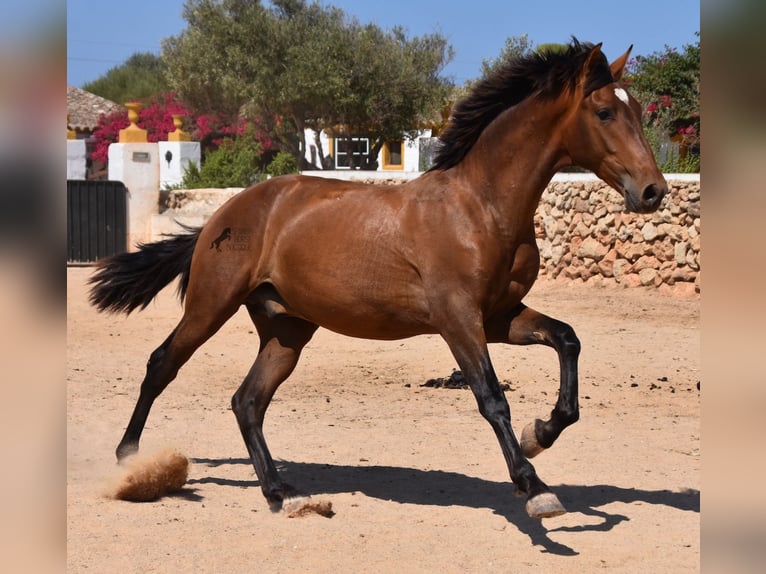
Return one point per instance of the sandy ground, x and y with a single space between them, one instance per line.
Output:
415 475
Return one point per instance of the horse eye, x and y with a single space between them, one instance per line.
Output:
604 114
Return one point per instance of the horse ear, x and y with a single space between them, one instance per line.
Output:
591 63
593 56
618 66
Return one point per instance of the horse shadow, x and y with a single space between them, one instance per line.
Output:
440 488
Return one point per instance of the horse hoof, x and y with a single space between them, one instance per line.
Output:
283 496
545 505
293 503
305 506
529 444
126 450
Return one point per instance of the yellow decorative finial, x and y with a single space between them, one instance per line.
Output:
178 135
132 133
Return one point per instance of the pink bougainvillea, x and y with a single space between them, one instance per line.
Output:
658 111
156 117
687 130
211 130
108 132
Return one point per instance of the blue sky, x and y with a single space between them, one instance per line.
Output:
102 35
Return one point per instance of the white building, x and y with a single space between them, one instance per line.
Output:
405 155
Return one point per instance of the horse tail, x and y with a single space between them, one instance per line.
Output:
127 281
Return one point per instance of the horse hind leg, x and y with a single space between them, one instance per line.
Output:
159 373
193 330
525 326
281 340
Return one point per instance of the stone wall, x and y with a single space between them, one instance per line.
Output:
583 231
585 235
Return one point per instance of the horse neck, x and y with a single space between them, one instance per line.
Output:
517 156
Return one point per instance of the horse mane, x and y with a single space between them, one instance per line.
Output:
544 74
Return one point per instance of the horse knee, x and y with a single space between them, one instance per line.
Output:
495 412
493 407
240 403
248 409
566 339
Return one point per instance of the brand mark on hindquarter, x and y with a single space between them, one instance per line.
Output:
233 239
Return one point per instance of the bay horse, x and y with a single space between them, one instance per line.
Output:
451 252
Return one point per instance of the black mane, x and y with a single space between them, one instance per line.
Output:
546 74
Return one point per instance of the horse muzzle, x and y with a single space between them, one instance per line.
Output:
647 200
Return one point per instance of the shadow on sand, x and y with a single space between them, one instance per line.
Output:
439 488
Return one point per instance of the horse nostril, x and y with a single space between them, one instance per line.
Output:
652 195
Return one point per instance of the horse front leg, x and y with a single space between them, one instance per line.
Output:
525 326
470 350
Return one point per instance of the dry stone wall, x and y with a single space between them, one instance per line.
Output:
585 235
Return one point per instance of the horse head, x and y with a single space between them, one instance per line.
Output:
603 133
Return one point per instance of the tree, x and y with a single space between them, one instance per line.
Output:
394 85
514 47
142 76
312 83
668 85
213 63
302 65
669 79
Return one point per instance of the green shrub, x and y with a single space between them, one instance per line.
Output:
282 164
236 163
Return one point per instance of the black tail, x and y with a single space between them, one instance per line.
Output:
130 280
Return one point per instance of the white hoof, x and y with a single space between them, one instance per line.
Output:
529 445
545 505
305 506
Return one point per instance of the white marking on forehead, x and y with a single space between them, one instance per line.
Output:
622 94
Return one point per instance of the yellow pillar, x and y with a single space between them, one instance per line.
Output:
70 133
132 133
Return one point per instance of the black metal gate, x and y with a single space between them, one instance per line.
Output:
96 219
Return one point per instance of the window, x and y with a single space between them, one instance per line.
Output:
392 155
350 152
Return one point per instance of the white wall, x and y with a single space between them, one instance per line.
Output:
180 154
137 165
411 151
76 166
